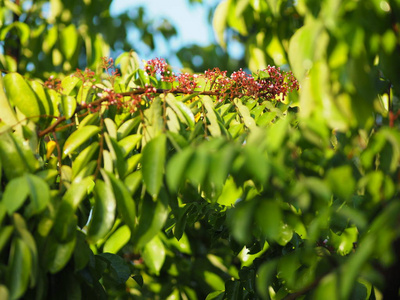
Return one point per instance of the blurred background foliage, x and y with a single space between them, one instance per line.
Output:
311 205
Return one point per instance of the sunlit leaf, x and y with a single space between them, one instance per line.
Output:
153 161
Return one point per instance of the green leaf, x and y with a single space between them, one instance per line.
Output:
197 168
15 194
154 255
256 164
153 215
5 235
213 127
117 155
220 21
244 112
117 240
119 269
269 218
69 41
103 213
22 230
58 254
217 295
126 128
341 181
91 119
133 181
82 252
125 204
153 161
22 96
39 194
264 279
111 127
84 158
16 155
241 220
19 270
63 226
128 143
230 193
68 106
7 114
304 47
182 110
328 288
176 168
78 137
46 107
68 84
22 30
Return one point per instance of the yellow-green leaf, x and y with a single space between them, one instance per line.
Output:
22 96
78 137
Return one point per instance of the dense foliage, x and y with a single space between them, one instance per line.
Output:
142 182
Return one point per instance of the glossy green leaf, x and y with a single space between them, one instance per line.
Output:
133 181
154 255
84 158
213 127
63 226
7 114
46 107
21 227
15 194
22 96
126 128
176 168
117 240
182 110
58 254
68 106
103 214
39 194
197 168
125 204
20 262
244 112
128 143
82 252
91 119
152 217
117 155
68 84
111 127
79 137
153 161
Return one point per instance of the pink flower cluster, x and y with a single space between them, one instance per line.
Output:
274 86
269 84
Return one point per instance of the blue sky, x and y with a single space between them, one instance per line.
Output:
190 21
